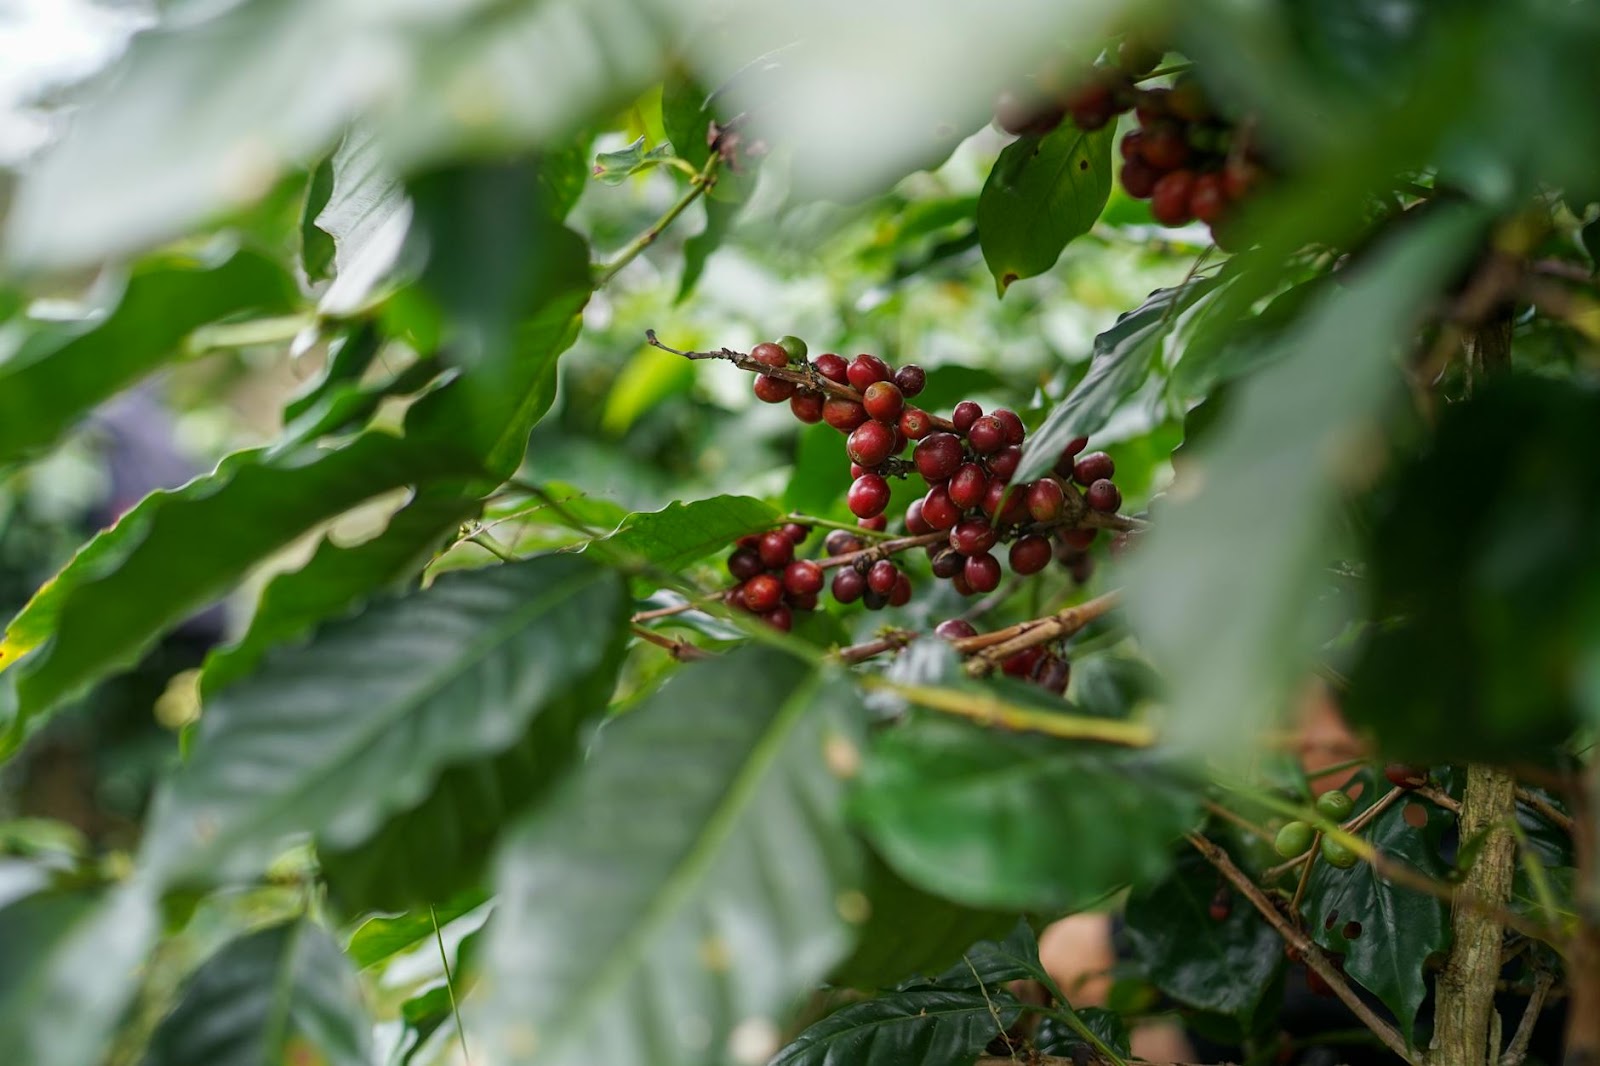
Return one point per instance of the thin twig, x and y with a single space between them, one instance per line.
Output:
828 523
1243 823
1063 623
450 985
1517 1050
1546 810
1305 877
989 710
678 608
1354 825
681 650
893 640
1310 952
698 186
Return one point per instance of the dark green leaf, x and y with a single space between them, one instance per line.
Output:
71 964
1009 820
821 475
716 797
368 216
348 359
687 112
284 994
1589 236
340 734
1385 932
1056 1037
928 1026
990 963
682 533
614 168
316 245
1121 363
57 377
1042 193
1225 967
385 937
1222 593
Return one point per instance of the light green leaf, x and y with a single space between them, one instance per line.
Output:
614 168
368 216
682 533
1041 194
385 937
355 727
715 795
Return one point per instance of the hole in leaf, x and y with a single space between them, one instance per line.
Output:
1416 815
1333 917
1351 930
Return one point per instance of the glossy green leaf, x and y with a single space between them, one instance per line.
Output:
367 215
909 931
349 357
1386 933
283 994
381 938
1011 820
1042 193
54 378
614 168
1256 537
1224 967
1056 1037
1484 579
990 963
316 245
716 798
337 735
1121 363
929 1026
682 533
178 551
70 967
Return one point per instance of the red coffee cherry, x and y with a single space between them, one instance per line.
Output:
972 537
1104 496
900 595
848 585
982 573
841 542
939 511
1052 674
1092 467
771 390
1079 539
877 523
1169 200
986 435
865 369
1015 431
1003 463
800 601
911 379
775 549
779 618
745 563
856 470
1163 146
1406 776
1081 567
882 576
959 582
1069 455
796 532
1139 178
868 496
1021 664
769 354
762 593
843 415
1015 511
1030 555
968 485
937 456
1091 105
1132 145
833 367
947 562
1046 501
807 406
802 577
965 414
883 401
1208 199
914 522
734 598
1188 100
870 443
1239 177
915 423
954 629
1152 105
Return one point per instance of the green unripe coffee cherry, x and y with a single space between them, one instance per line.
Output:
1335 806
1293 840
795 347
1336 854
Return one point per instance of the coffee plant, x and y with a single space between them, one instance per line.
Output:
643 532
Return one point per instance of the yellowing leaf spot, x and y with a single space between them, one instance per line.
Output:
298 1052
842 756
853 906
714 955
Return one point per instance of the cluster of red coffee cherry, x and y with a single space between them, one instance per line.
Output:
772 582
1188 161
968 462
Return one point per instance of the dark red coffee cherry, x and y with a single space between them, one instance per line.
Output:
914 522
762 593
900 595
843 415
800 601
911 379
1030 555
1139 178
1015 431
848 585
1132 145
882 576
964 415
868 496
1045 500
1239 177
972 537
856 470
1104 496
1152 105
939 510
1069 456
968 486
874 601
771 390
947 562
959 581
937 456
769 354
865 369
1406 776
1164 146
871 443
1021 664
1081 567
1091 105
833 367
915 423
982 573
779 618
883 401
1092 467
1079 539
807 406
1003 463
877 523
745 563
986 435
796 532
802 576
1208 199
1052 674
841 542
954 629
1169 200
776 549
